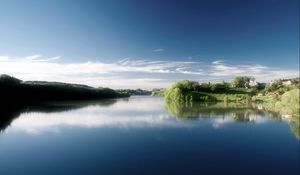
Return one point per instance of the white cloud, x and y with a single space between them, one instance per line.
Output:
158 50
218 62
33 57
128 73
261 73
4 58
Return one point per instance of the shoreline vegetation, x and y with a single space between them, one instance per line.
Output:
13 90
134 91
280 96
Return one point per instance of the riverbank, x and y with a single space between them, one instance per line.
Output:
280 98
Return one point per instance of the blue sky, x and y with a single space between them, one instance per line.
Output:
139 43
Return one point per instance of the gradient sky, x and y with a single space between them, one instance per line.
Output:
153 43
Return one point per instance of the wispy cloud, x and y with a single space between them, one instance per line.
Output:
158 50
218 62
263 73
41 58
132 73
33 57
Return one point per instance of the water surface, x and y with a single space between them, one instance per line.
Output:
144 135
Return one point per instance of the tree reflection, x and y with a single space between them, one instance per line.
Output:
10 112
189 110
239 112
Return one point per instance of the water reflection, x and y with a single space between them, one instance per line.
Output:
223 113
10 112
136 112
121 113
7 114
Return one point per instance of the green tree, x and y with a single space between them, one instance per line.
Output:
275 85
187 85
213 87
241 82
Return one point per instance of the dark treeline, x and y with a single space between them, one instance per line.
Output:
13 90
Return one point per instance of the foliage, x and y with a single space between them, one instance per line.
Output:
241 82
134 91
273 86
186 85
179 90
158 92
193 91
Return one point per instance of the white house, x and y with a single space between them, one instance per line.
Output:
286 81
253 82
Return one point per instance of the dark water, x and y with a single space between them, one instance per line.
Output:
142 135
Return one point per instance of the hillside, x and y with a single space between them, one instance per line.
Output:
15 90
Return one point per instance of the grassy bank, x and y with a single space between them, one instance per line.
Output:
286 104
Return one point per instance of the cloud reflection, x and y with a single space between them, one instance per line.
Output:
122 114
137 112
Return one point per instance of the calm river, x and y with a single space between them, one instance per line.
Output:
143 135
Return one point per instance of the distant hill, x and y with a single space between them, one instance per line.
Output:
16 90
